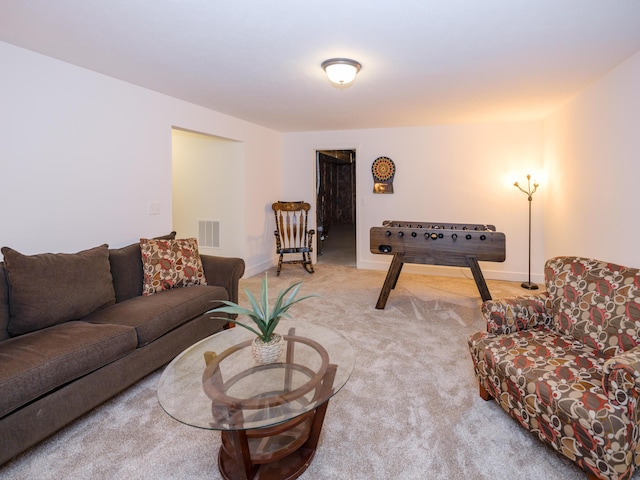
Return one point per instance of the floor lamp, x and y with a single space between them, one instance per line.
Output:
529 193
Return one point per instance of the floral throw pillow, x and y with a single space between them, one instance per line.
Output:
170 264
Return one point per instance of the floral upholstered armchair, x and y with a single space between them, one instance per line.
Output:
565 363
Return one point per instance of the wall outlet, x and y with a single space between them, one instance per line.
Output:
154 208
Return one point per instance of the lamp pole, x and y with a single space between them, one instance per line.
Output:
529 193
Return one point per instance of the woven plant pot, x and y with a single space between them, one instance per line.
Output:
266 353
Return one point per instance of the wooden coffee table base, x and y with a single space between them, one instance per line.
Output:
269 416
281 452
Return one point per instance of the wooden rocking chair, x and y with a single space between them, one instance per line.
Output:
291 232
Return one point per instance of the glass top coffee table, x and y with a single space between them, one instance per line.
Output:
269 416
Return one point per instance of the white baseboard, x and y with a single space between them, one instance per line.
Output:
251 270
460 272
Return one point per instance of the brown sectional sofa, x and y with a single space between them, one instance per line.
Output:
75 330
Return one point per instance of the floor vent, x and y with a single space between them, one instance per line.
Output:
209 233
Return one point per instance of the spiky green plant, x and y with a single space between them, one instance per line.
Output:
265 320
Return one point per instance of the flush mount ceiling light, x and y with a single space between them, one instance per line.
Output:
341 71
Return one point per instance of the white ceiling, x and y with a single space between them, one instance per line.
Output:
423 62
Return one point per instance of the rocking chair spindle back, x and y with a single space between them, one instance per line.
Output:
292 233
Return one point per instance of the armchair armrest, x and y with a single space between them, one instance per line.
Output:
621 377
525 312
224 272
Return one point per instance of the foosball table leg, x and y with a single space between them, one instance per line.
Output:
395 281
390 281
478 277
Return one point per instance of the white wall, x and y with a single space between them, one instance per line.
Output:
83 155
591 156
457 173
202 164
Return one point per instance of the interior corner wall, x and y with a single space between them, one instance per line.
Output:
83 155
200 165
591 162
450 173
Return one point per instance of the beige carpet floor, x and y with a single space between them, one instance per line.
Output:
409 411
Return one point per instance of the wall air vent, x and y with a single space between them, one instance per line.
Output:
209 233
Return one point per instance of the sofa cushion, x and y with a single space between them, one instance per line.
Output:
126 269
154 315
39 362
4 304
168 264
52 288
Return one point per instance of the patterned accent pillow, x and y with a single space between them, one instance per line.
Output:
170 264
126 269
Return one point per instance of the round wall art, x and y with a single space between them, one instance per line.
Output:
383 169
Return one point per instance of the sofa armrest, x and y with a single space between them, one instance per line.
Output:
525 312
621 377
224 272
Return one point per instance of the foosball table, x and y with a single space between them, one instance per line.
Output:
450 244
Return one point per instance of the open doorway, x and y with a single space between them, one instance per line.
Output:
336 207
215 216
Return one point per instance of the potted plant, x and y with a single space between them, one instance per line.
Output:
268 345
